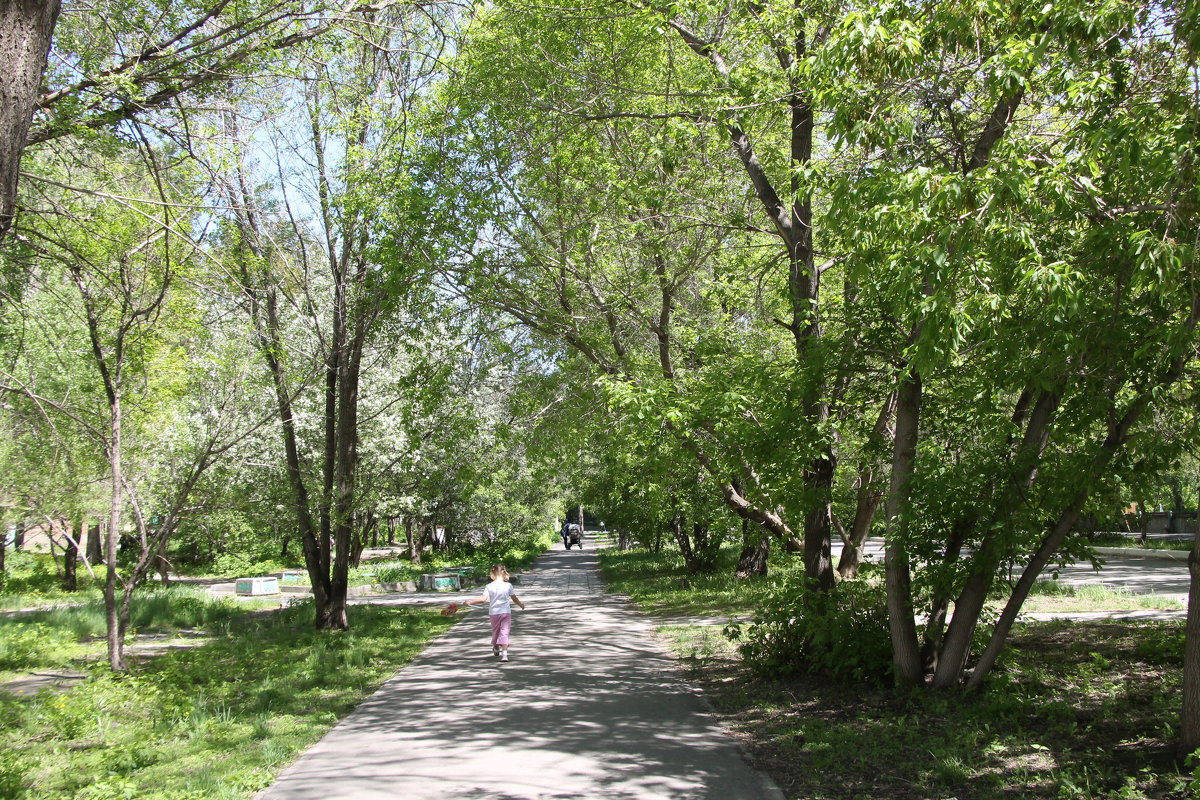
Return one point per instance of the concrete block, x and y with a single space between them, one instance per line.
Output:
257 586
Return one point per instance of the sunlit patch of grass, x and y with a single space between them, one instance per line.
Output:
214 721
1135 542
660 584
1055 596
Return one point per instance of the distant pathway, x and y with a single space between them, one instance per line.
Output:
589 707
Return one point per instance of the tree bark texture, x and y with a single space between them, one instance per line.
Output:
756 550
26 28
116 636
1189 735
906 654
71 555
94 548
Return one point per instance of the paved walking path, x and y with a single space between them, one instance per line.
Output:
588 707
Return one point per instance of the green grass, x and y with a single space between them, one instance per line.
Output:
30 580
1052 596
57 636
1075 710
1118 540
214 721
660 585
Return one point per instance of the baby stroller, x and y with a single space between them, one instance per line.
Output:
574 536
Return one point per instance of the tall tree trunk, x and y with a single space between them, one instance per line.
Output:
756 550
1189 735
818 527
19 536
116 636
906 653
333 614
26 28
414 545
789 207
94 547
264 313
71 555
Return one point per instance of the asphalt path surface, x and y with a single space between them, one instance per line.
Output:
1136 574
589 706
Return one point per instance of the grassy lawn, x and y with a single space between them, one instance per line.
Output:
1135 542
1078 710
1052 596
659 585
242 695
1074 710
218 720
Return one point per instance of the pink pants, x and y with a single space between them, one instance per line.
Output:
501 625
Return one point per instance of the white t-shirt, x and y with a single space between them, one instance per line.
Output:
499 596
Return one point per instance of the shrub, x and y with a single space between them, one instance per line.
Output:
841 633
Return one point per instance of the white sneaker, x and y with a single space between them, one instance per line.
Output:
504 655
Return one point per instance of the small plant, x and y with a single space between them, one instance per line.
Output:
13 771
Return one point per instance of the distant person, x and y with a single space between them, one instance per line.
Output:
499 597
566 535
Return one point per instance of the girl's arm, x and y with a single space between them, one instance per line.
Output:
517 600
481 599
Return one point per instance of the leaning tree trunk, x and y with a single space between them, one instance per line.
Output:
26 27
1118 435
870 491
952 661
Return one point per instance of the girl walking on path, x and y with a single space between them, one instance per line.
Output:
499 596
